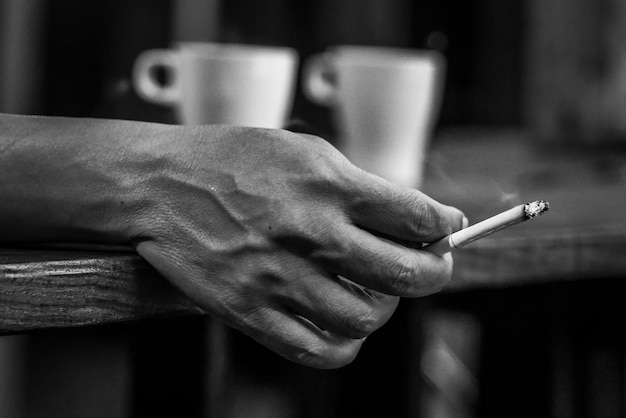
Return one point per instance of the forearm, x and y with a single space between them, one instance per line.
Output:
71 179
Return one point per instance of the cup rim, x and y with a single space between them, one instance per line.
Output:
232 50
375 56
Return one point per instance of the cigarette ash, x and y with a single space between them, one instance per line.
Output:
535 208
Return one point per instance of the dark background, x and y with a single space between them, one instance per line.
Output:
90 47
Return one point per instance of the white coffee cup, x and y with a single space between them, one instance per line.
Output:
386 102
212 83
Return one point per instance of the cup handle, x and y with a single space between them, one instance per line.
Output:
319 79
145 77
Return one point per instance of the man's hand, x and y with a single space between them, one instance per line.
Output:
275 233
281 237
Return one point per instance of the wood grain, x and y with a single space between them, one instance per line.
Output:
61 288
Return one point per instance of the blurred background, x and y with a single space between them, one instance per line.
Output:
68 57
552 71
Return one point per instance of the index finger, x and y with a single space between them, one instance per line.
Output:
400 212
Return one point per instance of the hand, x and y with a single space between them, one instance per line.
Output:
281 237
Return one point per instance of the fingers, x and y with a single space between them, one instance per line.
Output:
387 266
376 209
299 340
308 315
299 330
393 210
322 322
328 304
340 306
400 212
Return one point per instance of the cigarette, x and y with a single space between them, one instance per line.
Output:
503 220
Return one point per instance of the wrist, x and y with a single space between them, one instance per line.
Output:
66 179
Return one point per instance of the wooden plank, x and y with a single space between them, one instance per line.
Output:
21 55
531 258
60 288
12 379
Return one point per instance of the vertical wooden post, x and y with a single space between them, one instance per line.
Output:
20 55
20 92
12 376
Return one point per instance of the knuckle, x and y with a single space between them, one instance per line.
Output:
365 322
423 219
403 272
419 214
429 218
410 278
335 250
322 356
312 355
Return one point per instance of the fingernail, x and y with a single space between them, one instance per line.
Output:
465 223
